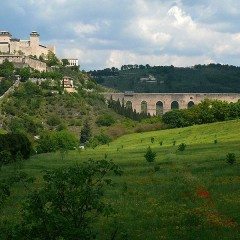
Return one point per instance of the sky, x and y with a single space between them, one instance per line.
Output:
107 33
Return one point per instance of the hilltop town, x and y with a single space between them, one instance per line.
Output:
29 52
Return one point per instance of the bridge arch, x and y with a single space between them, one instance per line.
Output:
174 105
129 104
144 107
190 104
159 108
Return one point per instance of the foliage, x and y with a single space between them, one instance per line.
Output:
69 203
7 69
199 78
14 144
53 120
105 120
231 158
182 147
85 134
5 84
24 74
53 141
100 139
7 184
207 111
65 62
52 60
150 155
5 157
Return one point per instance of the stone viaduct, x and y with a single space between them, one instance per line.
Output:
159 103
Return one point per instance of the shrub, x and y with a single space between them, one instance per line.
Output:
5 157
53 120
215 141
182 147
150 155
16 143
231 158
53 141
105 120
103 138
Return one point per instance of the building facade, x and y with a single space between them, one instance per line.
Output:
32 46
72 62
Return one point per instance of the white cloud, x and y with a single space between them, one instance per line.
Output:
80 28
112 33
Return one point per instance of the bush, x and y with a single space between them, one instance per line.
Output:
5 157
150 155
53 141
53 120
103 138
182 147
231 158
15 144
105 120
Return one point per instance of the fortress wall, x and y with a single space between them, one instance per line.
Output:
4 47
36 64
11 58
182 99
21 61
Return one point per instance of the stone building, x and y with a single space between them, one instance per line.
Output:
32 46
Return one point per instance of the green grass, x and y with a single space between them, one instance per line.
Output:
194 195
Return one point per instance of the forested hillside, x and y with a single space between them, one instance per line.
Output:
200 78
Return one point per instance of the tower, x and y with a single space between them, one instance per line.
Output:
5 38
34 43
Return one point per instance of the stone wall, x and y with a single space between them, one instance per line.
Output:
36 64
166 100
22 61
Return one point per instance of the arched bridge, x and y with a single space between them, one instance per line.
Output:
159 103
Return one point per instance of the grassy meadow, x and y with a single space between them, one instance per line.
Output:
192 194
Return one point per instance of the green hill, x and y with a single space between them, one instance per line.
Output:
169 79
192 194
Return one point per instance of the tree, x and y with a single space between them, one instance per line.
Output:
105 120
24 74
52 60
69 203
65 62
150 155
85 133
15 144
